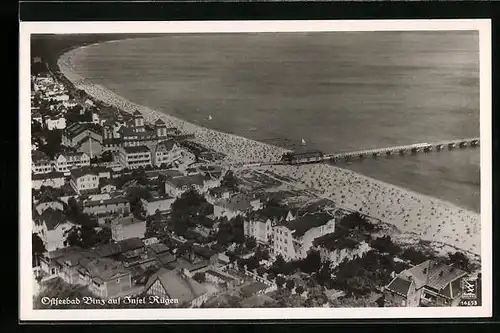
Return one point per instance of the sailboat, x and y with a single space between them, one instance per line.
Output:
303 142
209 117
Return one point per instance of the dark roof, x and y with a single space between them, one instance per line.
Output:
273 212
39 156
159 122
137 113
166 145
50 175
48 196
302 224
52 218
77 173
203 251
136 149
185 180
177 285
130 244
158 248
165 259
218 190
400 286
78 128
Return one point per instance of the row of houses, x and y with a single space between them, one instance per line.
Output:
117 269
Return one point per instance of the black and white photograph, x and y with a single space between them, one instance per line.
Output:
330 169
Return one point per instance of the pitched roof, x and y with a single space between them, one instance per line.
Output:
433 274
159 122
303 224
177 285
205 252
130 244
37 156
166 145
127 220
52 218
137 113
399 285
80 172
78 128
136 149
50 175
104 269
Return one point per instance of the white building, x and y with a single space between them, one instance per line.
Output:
67 161
84 180
337 255
106 206
152 205
167 152
134 157
52 227
56 122
52 179
239 204
174 187
40 163
295 238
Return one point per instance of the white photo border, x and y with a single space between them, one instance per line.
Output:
27 313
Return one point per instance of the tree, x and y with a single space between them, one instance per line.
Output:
134 195
280 281
311 263
287 157
414 256
290 284
230 181
385 245
250 243
37 248
237 225
299 290
459 260
86 236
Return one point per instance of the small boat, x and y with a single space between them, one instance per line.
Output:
209 117
303 142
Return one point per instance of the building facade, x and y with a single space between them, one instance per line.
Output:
68 161
135 157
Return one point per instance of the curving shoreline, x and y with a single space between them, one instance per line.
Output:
430 218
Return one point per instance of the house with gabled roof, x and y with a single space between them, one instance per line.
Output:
428 284
51 179
176 284
84 137
69 160
84 180
293 239
47 200
40 163
52 227
105 278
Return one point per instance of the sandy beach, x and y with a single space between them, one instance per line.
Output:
430 218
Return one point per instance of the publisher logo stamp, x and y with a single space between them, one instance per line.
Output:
469 288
